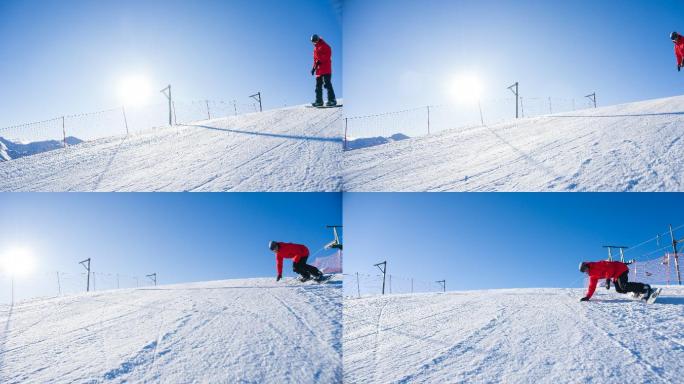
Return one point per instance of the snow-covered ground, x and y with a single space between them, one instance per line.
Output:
514 336
232 331
291 149
628 147
13 150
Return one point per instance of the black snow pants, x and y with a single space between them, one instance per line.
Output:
305 269
324 81
622 285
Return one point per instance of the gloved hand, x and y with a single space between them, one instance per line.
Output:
679 68
313 71
279 277
584 299
607 283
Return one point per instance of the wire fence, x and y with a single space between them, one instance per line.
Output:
73 129
361 284
57 283
436 118
656 271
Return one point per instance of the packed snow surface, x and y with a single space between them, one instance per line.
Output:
291 149
232 331
514 336
13 150
628 147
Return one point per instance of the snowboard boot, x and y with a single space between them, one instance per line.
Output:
317 104
331 103
648 293
318 278
304 279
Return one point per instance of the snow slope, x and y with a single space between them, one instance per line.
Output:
514 336
247 331
628 147
291 149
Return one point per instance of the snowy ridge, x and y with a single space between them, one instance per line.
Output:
251 330
290 149
514 336
628 147
14 150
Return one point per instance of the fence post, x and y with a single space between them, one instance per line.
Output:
208 113
175 121
59 285
123 109
428 119
344 143
64 132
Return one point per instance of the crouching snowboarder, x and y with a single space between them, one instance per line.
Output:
678 41
322 68
299 254
614 271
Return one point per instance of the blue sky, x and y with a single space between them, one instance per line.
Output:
182 237
66 57
398 53
500 240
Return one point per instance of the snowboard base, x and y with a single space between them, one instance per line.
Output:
325 106
654 296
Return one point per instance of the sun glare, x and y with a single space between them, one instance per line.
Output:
465 88
135 90
17 262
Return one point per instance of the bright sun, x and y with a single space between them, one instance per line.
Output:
465 88
17 262
135 90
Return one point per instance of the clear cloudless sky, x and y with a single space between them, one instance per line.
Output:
64 57
399 52
501 240
182 237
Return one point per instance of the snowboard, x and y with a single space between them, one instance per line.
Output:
325 106
323 279
654 296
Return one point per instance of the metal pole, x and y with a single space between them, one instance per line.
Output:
59 285
384 273
390 284
522 108
171 106
344 143
443 283
12 290
235 107
123 109
412 285
517 101
64 132
117 281
676 256
550 109
83 263
208 112
428 119
260 108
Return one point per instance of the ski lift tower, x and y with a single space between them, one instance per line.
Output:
167 92
592 97
610 253
86 264
517 97
153 277
257 97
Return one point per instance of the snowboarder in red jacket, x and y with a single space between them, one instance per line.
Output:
678 41
322 68
614 271
299 254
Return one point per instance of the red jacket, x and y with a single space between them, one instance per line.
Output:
679 49
604 270
289 251
323 54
